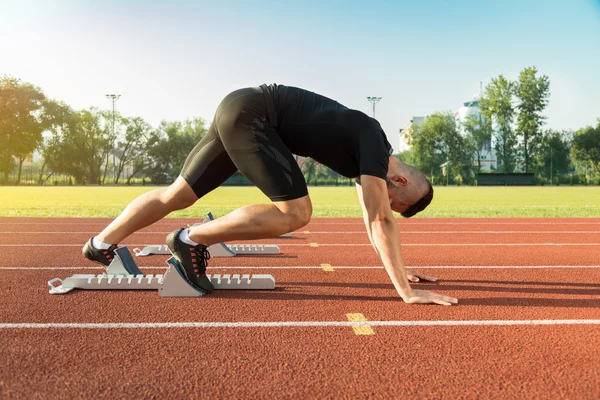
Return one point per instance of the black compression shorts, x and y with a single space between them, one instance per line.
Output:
242 138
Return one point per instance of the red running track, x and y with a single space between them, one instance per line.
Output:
544 284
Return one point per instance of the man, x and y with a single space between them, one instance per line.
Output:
255 131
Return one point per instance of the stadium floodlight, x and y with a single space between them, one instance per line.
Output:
374 101
113 98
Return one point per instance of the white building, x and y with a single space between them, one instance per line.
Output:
405 133
488 154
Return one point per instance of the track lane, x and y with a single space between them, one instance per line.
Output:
336 255
304 363
315 295
480 238
414 362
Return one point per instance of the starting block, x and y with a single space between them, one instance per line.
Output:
124 274
217 249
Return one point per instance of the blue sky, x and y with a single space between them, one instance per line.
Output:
177 59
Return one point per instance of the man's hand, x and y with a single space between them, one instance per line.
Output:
414 276
427 297
384 235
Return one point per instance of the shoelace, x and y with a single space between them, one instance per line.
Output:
108 255
200 257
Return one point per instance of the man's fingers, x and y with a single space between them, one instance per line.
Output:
420 276
449 300
445 299
423 297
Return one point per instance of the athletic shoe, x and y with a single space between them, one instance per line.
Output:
193 259
99 256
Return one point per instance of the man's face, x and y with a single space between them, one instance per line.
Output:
396 204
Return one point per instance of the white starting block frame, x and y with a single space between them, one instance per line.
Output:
217 249
124 274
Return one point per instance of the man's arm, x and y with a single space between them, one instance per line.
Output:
365 216
413 276
385 237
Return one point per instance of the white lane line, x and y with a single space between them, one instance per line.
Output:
59 245
348 244
290 324
326 232
299 267
441 232
444 244
400 222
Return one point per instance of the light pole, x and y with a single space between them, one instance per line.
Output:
551 165
113 98
374 101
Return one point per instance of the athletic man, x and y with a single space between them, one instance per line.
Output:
256 130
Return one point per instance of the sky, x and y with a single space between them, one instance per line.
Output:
173 60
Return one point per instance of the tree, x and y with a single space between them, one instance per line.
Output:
532 93
496 106
479 134
21 125
553 157
133 143
7 163
170 146
586 146
56 116
407 156
79 147
310 168
437 141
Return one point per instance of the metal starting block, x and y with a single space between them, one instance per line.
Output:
124 274
217 249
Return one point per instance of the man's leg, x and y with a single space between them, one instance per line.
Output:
147 209
260 155
251 145
206 167
256 221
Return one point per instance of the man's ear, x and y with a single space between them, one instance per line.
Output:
399 180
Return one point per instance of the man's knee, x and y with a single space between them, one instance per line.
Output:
301 219
298 211
300 215
179 195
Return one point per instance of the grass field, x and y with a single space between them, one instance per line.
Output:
92 201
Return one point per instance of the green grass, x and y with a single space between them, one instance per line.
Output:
93 201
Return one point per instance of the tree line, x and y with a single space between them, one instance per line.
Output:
95 146
91 146
511 117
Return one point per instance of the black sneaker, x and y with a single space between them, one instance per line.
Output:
193 259
100 256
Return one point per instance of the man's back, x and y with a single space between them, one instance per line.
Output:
348 141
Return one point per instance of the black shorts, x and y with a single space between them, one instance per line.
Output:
242 138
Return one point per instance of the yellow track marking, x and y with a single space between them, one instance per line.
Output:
360 329
314 245
306 232
327 267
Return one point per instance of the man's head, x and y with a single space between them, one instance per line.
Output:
409 190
